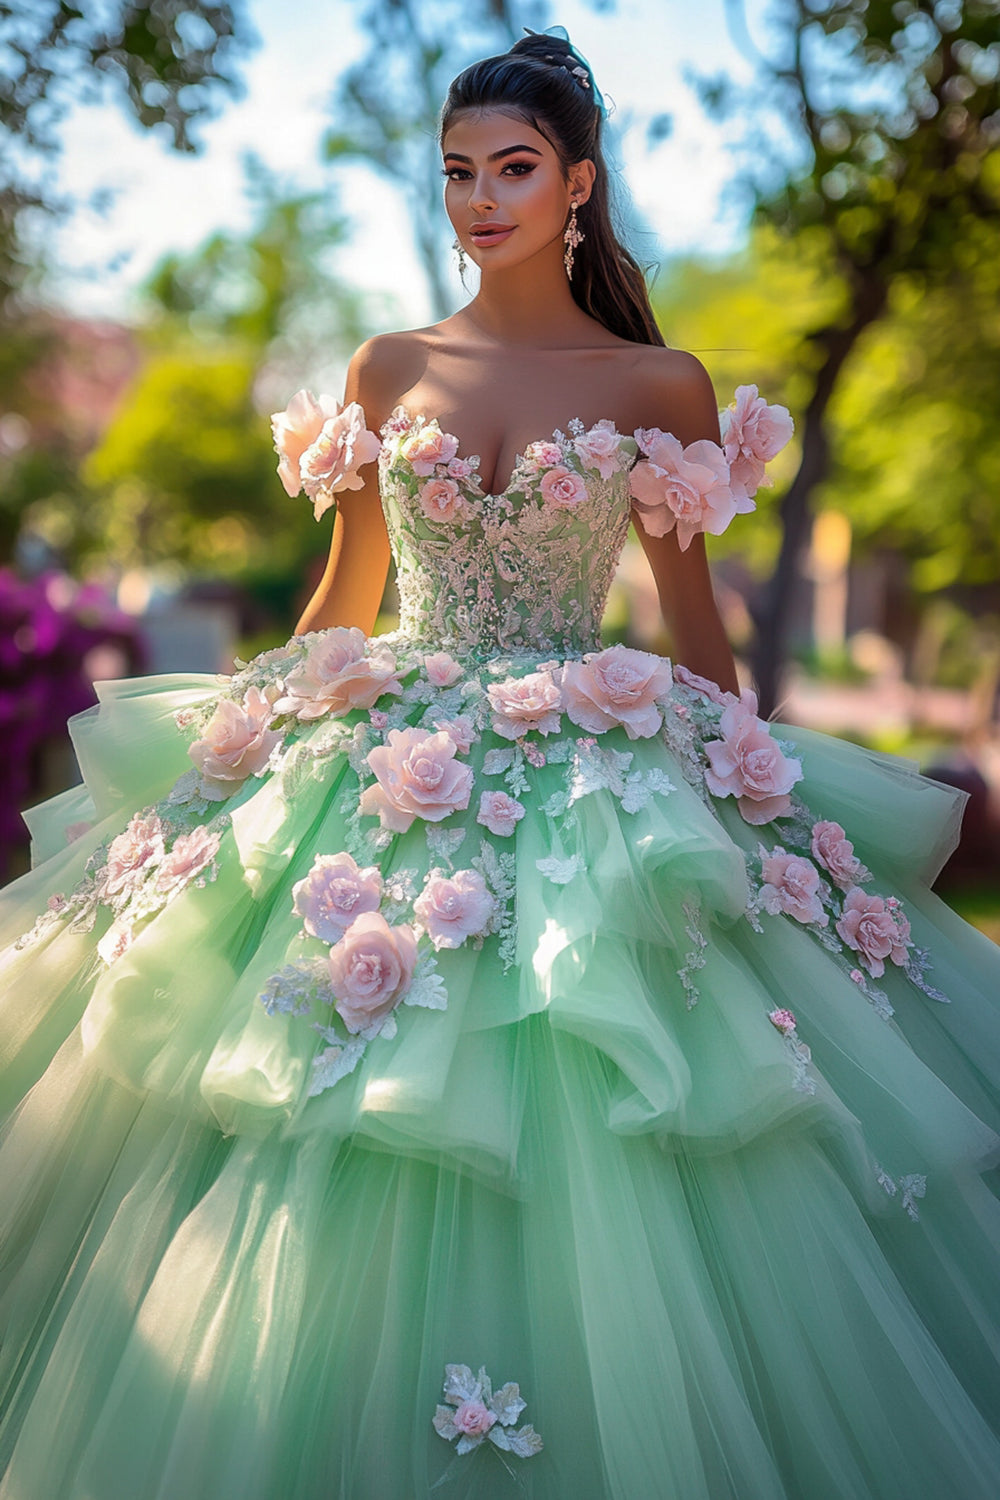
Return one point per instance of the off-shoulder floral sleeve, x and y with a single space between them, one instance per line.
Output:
321 446
702 486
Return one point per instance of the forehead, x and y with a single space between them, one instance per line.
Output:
478 133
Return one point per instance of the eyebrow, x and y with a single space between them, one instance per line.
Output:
494 156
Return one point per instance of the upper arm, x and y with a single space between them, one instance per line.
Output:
677 396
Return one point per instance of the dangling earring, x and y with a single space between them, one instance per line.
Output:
573 237
457 245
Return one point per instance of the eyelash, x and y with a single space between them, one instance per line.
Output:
519 168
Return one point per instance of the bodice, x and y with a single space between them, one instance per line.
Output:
521 572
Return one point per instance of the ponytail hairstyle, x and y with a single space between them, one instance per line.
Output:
549 86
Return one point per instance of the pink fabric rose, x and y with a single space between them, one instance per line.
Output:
684 487
334 894
459 468
598 448
294 430
453 908
834 851
782 1020
370 970
791 886
131 856
337 675
442 669
543 455
874 930
462 731
499 813
746 763
520 704
237 743
418 777
332 461
752 434
560 486
440 499
427 446
192 853
473 1419
617 686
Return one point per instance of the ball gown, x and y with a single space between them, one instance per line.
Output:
479 1059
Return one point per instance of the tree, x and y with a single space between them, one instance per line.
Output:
170 62
887 115
385 107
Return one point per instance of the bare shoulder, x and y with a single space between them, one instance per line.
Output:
382 367
674 392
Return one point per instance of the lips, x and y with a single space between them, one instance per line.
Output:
490 234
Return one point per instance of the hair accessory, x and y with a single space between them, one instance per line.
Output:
572 237
573 61
456 244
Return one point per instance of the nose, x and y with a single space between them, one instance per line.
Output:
481 200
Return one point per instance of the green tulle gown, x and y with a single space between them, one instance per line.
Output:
475 998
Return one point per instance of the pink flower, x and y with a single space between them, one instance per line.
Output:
782 1020
873 930
332 460
534 754
442 669
752 434
543 455
417 777
462 731
560 486
684 487
377 719
703 685
453 908
192 853
294 430
499 813
473 1419
617 686
747 764
598 448
400 421
132 855
459 468
427 446
791 885
857 977
337 675
524 703
370 970
334 894
440 499
237 743
832 849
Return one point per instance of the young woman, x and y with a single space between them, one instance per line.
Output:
476 1057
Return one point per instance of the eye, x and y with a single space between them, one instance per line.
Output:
455 174
519 168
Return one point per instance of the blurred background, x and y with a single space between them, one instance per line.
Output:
205 206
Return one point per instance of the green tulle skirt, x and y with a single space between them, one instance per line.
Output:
716 1269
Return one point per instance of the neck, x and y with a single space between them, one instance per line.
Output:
529 304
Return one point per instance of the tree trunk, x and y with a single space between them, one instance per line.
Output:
772 610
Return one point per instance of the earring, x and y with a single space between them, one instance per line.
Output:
457 245
572 237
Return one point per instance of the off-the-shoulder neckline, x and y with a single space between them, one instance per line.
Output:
389 428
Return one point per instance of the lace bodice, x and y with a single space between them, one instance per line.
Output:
524 571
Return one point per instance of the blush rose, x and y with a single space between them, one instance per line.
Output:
875 929
417 777
453 908
752 434
337 675
834 851
294 430
747 764
427 446
370 970
237 743
791 886
192 853
334 894
598 448
440 499
561 487
617 686
687 488
520 704
131 855
473 1419
499 813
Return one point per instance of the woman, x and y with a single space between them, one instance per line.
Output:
412 1090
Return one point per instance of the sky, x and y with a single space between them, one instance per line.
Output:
163 201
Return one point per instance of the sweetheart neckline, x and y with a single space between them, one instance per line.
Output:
413 417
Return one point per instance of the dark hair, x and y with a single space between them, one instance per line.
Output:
535 81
